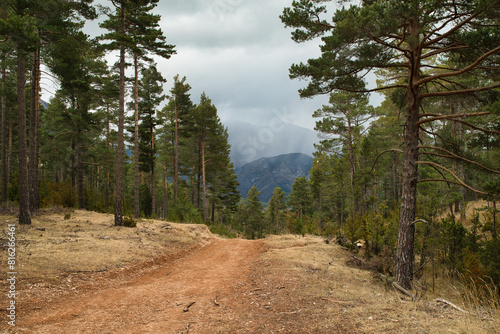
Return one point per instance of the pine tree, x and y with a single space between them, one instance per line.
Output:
107 95
20 26
7 100
413 39
147 38
150 97
76 62
205 122
343 123
254 214
119 38
277 204
178 123
300 198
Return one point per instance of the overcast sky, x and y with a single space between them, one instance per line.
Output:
239 53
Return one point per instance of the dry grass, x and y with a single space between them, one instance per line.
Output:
53 247
300 285
353 296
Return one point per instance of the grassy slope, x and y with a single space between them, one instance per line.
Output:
302 282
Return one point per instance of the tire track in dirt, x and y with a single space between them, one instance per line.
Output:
157 302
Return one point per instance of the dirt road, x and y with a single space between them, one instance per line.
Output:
186 296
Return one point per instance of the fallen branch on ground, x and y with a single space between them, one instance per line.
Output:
188 306
447 303
404 291
292 312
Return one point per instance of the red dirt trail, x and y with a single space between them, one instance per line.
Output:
181 297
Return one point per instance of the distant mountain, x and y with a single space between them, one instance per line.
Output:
269 173
44 104
250 142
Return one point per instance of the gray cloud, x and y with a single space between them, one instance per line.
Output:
238 52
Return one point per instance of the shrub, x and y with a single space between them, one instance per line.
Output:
222 230
54 194
129 222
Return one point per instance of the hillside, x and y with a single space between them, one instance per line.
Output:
269 173
102 279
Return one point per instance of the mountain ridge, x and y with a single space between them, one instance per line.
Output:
250 142
270 172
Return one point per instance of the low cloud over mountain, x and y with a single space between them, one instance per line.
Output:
250 142
269 173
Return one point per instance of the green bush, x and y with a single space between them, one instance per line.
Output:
129 222
57 194
222 230
490 259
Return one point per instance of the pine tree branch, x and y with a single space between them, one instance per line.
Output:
459 181
454 156
368 90
439 136
441 117
477 128
391 150
451 31
384 43
443 50
459 92
453 182
459 72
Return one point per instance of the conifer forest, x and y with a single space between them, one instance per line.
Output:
398 177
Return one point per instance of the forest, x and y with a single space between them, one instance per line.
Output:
398 177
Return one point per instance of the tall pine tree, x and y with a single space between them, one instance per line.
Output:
413 38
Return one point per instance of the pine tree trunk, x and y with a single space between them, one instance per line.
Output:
405 246
121 124
198 180
153 176
404 252
5 179
213 214
354 206
165 185
33 139
98 179
79 172
205 208
24 197
9 151
73 164
495 234
136 139
176 155
153 191
277 218
108 164
395 176
193 179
